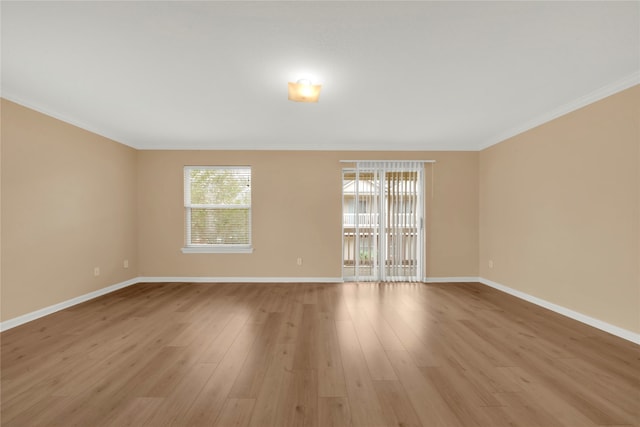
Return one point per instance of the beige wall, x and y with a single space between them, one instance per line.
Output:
297 212
556 208
72 201
68 205
1 272
559 211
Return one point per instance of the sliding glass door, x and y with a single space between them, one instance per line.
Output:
383 233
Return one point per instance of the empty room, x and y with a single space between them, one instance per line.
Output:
323 213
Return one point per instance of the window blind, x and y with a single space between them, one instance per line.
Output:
217 203
383 221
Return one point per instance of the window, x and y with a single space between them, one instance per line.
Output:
217 204
383 232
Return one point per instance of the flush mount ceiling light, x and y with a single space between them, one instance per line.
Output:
304 91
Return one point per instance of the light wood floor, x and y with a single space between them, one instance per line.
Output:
317 355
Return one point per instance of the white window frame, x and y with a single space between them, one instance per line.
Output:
212 248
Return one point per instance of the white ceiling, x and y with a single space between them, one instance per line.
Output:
395 75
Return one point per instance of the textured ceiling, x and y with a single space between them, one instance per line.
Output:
395 75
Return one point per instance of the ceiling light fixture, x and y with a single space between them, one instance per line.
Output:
304 91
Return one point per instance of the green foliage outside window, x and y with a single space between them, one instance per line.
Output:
220 200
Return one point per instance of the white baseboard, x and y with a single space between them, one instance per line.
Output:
599 324
17 321
450 279
241 279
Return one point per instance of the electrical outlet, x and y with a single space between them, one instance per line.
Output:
126 263
96 271
299 260
490 263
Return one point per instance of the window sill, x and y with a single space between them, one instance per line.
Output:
217 250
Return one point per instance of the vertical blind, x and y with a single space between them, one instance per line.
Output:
217 203
388 221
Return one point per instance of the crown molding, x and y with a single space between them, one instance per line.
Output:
17 100
598 94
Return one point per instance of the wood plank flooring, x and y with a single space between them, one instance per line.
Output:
321 355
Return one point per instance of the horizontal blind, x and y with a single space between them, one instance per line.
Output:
217 204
